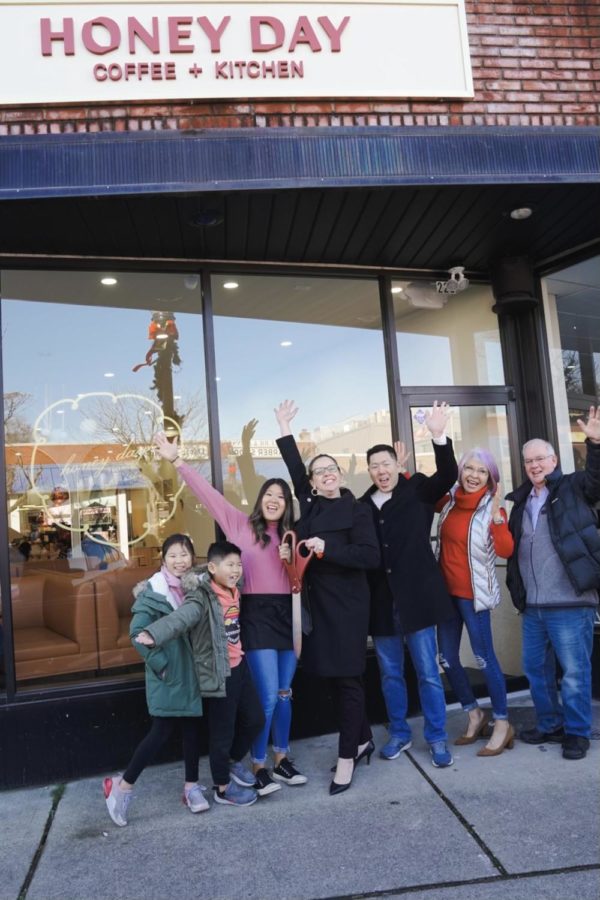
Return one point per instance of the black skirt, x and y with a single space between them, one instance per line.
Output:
266 621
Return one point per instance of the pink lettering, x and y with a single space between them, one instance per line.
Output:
276 25
179 31
150 39
214 34
113 34
67 35
304 34
334 34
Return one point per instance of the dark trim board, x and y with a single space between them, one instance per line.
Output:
111 163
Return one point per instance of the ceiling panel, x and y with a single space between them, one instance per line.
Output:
404 227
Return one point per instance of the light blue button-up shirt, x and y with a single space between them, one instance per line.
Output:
535 503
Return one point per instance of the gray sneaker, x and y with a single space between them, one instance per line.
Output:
194 799
236 795
242 775
117 801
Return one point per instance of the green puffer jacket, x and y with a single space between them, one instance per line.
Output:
171 683
202 616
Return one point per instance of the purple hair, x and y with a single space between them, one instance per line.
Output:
488 461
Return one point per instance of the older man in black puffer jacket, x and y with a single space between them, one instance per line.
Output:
554 577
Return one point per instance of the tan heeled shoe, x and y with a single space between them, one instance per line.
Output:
470 739
507 744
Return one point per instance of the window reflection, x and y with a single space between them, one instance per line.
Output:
318 341
572 312
446 339
108 362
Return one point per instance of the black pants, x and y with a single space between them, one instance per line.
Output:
233 722
158 735
349 698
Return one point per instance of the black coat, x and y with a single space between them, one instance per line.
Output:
335 587
409 582
573 525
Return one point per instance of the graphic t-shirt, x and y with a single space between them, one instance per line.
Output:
230 604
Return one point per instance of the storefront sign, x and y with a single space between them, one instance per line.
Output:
93 51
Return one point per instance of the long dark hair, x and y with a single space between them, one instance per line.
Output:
256 519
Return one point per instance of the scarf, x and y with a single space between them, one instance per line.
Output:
174 585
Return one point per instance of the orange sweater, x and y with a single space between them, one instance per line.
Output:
454 539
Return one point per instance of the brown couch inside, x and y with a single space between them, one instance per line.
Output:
73 622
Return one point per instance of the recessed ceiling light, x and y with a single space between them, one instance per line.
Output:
109 374
396 290
285 344
217 378
522 212
230 285
108 281
176 396
60 412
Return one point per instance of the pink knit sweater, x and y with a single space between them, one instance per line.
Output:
264 572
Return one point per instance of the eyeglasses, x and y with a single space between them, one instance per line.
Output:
329 470
537 459
474 470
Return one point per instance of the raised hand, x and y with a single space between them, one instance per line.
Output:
437 419
496 500
247 434
402 454
591 428
166 449
284 413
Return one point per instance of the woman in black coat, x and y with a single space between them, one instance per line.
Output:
336 593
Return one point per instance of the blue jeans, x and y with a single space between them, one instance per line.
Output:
479 629
423 651
566 635
273 671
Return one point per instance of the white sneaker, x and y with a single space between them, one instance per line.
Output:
117 801
194 799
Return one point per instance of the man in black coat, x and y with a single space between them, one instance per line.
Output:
408 594
553 577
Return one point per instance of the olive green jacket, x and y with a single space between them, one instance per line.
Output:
171 682
201 615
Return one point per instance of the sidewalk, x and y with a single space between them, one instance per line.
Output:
520 826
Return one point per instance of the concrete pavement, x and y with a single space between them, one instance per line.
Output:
523 825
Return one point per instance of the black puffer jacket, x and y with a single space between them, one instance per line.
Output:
572 522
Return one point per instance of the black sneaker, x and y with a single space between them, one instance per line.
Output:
575 747
264 784
533 736
288 773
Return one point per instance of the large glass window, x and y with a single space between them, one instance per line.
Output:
469 427
446 339
317 341
572 312
94 364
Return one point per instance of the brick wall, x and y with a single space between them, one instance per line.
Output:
534 63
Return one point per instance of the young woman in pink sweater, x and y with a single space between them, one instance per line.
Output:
266 608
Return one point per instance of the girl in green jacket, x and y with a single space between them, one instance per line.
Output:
172 691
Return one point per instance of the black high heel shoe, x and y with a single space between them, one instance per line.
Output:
367 753
336 788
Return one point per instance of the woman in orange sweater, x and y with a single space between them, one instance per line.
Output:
472 531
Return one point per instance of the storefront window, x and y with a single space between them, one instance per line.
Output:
468 427
446 339
317 341
572 313
94 364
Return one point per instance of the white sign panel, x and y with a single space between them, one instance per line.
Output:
103 51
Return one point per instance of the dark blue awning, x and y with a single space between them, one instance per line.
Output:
37 166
